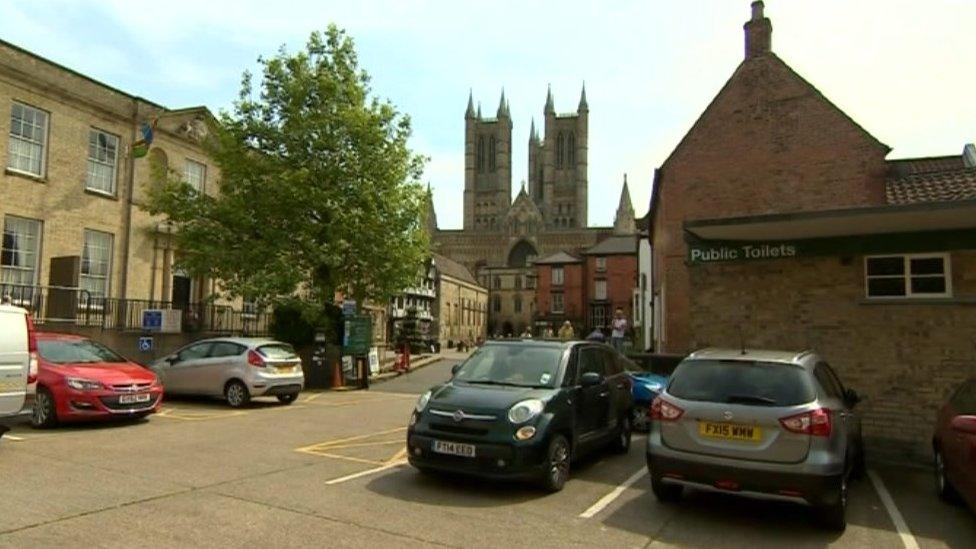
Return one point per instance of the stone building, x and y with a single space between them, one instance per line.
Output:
461 304
500 237
777 222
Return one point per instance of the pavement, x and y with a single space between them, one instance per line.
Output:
329 470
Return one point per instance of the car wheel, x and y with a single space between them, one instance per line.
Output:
621 443
237 394
944 488
44 414
834 516
557 464
288 398
860 465
665 493
639 420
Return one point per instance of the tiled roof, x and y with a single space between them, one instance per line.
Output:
614 245
932 186
453 269
558 258
933 164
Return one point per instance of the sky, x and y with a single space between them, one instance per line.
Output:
904 69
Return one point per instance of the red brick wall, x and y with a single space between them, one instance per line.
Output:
621 277
573 298
768 143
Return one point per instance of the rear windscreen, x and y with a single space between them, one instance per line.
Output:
278 351
741 382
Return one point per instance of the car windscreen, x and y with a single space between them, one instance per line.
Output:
741 382
516 365
278 351
81 351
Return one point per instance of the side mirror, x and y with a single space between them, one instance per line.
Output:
590 379
964 424
851 397
455 368
172 359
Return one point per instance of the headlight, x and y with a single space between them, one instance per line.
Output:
422 402
525 410
83 384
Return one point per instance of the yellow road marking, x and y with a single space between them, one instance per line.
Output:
400 456
344 458
332 443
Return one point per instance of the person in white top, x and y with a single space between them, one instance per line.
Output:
619 330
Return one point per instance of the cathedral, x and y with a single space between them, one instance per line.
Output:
501 238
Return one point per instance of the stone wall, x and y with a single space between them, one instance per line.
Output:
462 312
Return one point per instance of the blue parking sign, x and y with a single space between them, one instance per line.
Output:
152 320
145 344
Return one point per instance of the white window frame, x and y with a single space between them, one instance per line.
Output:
42 144
36 252
95 161
558 276
88 277
907 276
562 303
202 186
601 264
597 284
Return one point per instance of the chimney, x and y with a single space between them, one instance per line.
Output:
759 32
969 155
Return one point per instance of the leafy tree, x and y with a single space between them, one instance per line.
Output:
318 189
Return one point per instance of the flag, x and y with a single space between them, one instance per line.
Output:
141 147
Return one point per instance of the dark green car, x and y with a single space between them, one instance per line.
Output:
523 410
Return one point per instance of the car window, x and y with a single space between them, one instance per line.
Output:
521 365
81 351
278 351
194 352
572 369
591 360
612 360
827 381
742 382
222 349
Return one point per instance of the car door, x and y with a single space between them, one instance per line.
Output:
592 412
14 360
833 396
217 368
181 373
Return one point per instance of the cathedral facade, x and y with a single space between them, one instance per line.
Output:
501 238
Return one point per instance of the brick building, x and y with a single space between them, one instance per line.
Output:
777 222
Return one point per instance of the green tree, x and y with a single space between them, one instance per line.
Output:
318 189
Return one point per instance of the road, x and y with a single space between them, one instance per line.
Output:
328 471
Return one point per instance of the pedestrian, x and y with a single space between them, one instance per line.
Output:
596 335
619 330
566 333
526 334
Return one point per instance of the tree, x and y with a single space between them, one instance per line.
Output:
318 189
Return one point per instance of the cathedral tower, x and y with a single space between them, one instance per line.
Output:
560 186
487 167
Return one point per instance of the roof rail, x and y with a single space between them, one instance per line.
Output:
803 353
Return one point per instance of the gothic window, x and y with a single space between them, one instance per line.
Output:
571 149
518 304
481 153
491 154
518 282
560 145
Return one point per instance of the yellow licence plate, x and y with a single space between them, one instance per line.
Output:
730 431
285 369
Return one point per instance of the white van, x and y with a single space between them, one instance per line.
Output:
18 361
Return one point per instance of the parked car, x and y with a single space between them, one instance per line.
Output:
647 386
523 409
18 362
954 445
764 424
234 368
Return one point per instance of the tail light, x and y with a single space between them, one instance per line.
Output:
662 410
254 359
815 423
31 351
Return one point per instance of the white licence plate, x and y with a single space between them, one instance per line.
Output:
454 448
133 399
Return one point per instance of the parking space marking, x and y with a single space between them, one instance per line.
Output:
14 438
186 415
900 525
606 500
329 448
398 460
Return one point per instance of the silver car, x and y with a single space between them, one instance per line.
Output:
763 424
234 368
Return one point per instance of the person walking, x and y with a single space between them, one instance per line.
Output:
619 330
566 333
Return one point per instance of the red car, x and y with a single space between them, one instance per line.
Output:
80 379
955 446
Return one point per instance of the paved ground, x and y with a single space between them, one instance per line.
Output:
327 471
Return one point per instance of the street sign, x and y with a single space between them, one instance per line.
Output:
152 320
358 335
349 307
146 344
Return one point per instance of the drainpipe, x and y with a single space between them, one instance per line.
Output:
127 201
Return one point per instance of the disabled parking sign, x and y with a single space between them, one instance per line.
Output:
145 344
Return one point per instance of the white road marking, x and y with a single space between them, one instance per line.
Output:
608 499
14 438
366 472
900 525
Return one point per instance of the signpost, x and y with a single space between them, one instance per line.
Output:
357 340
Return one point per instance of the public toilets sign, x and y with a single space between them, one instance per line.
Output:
702 252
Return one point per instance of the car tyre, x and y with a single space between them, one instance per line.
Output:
237 394
557 464
942 484
834 516
665 493
287 398
621 443
45 414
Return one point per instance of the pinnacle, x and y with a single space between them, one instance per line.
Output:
550 107
470 112
583 106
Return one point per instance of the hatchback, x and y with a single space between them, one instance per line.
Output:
763 424
523 410
80 379
954 445
18 361
234 368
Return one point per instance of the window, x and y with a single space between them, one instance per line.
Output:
28 137
601 264
557 303
481 153
497 282
21 248
560 145
600 290
557 276
194 352
491 154
530 282
610 359
829 384
599 316
249 307
741 381
102 158
96 263
591 360
196 175
518 304
221 349
913 275
518 282
496 303
571 149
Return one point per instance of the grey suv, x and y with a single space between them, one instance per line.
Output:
763 424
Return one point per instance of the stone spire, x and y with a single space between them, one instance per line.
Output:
431 221
532 135
550 106
625 223
759 32
502 106
470 112
479 110
583 106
